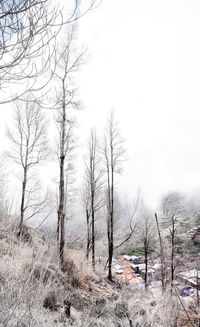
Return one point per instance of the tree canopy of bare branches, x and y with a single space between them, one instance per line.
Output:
28 40
28 138
26 31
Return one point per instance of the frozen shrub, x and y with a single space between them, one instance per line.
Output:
80 301
69 267
121 310
75 281
50 301
100 307
142 312
25 235
67 305
40 273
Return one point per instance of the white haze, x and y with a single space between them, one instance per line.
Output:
144 63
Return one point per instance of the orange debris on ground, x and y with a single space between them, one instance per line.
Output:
186 321
121 261
128 274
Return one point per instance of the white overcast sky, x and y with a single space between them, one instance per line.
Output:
144 62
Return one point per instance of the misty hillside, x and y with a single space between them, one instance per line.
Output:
99 163
34 292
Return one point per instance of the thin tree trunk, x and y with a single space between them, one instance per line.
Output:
58 229
88 234
172 252
110 255
93 233
111 219
23 200
61 209
197 288
146 262
163 272
61 215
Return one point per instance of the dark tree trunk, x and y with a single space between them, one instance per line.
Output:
197 288
23 201
110 255
67 308
61 214
146 262
111 222
163 272
88 234
172 251
93 229
61 207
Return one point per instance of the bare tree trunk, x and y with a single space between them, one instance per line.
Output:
111 246
61 215
172 251
93 233
88 235
109 226
61 207
110 255
58 229
197 288
93 199
23 201
113 154
66 65
163 272
111 207
146 261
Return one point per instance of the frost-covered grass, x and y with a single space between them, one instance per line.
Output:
30 273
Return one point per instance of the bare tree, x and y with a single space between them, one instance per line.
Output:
86 203
128 225
113 152
65 100
146 236
28 32
172 206
93 198
163 262
28 137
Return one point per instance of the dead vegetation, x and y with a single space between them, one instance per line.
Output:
34 291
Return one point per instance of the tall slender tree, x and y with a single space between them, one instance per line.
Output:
146 236
28 137
113 152
65 100
173 209
94 198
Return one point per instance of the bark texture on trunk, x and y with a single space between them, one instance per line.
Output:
172 250
163 269
61 206
146 262
88 235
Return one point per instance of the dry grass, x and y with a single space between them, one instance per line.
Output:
33 289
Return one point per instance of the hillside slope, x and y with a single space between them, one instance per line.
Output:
34 292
